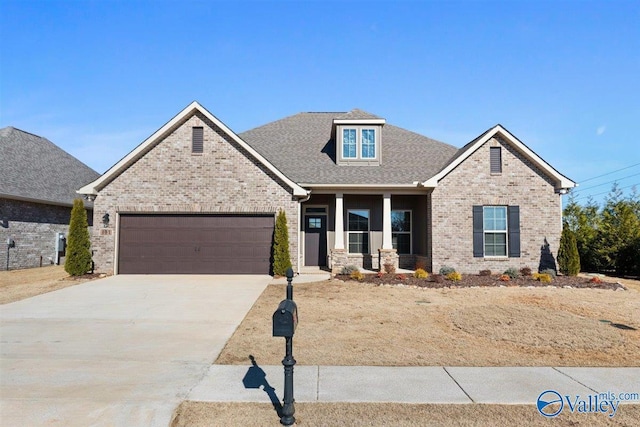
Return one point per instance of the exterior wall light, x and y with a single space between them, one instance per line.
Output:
105 220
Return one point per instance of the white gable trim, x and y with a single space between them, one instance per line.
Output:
138 152
359 121
561 181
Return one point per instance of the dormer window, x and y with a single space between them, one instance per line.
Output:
349 145
358 137
358 143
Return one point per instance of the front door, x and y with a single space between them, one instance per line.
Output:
315 240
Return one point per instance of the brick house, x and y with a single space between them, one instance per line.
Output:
38 183
195 197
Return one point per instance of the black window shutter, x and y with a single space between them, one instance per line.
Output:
495 159
197 140
478 231
513 215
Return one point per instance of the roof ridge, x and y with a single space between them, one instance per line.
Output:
22 131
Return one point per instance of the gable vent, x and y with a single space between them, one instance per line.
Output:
495 159
197 140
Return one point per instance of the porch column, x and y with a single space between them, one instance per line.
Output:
386 221
339 223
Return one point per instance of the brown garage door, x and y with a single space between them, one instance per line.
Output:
195 244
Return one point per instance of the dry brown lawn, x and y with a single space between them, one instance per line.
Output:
16 285
205 414
351 323
355 324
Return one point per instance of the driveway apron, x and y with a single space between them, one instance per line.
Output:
120 351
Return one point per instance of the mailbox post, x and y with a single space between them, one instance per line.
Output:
285 321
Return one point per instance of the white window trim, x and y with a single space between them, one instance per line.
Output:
505 232
359 130
404 232
366 233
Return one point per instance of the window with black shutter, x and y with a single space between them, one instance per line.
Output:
496 231
197 140
495 155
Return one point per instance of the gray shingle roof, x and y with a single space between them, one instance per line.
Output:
302 147
356 114
34 168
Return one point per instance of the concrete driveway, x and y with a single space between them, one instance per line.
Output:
120 351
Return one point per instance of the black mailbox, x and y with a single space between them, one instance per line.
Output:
285 319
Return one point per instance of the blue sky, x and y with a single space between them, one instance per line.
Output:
98 77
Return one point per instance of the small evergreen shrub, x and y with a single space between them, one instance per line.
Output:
420 274
543 277
568 256
356 275
454 276
551 272
485 272
389 268
525 271
78 253
512 273
281 257
445 270
348 269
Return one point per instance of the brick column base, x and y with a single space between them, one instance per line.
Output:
337 260
388 256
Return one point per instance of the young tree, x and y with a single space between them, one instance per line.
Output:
619 228
281 258
584 222
568 257
78 261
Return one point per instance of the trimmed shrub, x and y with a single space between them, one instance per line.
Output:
512 273
445 270
551 272
281 258
356 275
543 277
454 276
420 274
505 278
485 272
78 260
525 271
348 269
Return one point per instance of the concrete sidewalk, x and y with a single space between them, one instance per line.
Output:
494 385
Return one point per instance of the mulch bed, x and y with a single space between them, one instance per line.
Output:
436 281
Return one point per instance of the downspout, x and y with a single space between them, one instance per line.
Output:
299 233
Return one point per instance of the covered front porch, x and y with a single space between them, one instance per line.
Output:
367 229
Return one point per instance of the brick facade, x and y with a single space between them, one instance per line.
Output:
521 183
33 227
170 178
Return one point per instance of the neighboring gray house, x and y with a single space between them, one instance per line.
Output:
195 197
38 183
